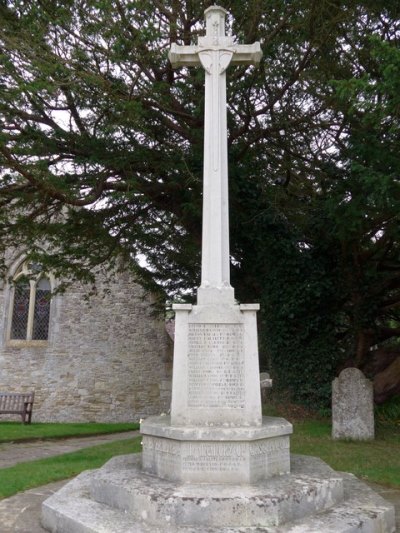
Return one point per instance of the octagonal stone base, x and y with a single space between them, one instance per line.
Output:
120 498
216 454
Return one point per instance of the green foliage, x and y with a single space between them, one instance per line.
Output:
101 147
299 312
389 412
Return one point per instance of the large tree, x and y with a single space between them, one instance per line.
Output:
101 148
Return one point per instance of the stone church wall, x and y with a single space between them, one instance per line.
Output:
106 360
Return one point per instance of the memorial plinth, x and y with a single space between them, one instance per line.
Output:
216 433
215 366
202 454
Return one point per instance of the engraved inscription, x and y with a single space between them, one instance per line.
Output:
161 445
160 456
269 446
214 457
270 457
216 366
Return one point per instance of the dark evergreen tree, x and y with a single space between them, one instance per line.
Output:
101 147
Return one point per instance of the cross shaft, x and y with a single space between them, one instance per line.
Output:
215 52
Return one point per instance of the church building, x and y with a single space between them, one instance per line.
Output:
106 358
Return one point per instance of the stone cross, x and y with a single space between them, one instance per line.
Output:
215 52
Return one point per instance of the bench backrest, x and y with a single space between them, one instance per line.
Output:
14 402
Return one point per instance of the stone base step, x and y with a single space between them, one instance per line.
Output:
270 502
74 510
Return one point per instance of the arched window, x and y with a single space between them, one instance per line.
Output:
31 304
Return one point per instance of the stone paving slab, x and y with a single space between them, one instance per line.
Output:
21 513
20 452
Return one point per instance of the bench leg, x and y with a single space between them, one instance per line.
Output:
24 415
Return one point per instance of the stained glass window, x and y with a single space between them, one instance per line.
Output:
21 309
31 307
42 310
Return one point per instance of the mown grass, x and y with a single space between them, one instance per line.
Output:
32 474
15 431
377 460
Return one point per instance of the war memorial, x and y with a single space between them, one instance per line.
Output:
215 464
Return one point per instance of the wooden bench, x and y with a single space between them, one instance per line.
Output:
14 403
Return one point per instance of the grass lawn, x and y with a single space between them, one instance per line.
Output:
32 474
377 460
15 431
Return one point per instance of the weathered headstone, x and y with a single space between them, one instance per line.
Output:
352 406
265 384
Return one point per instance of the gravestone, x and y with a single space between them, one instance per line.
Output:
215 464
352 406
265 384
